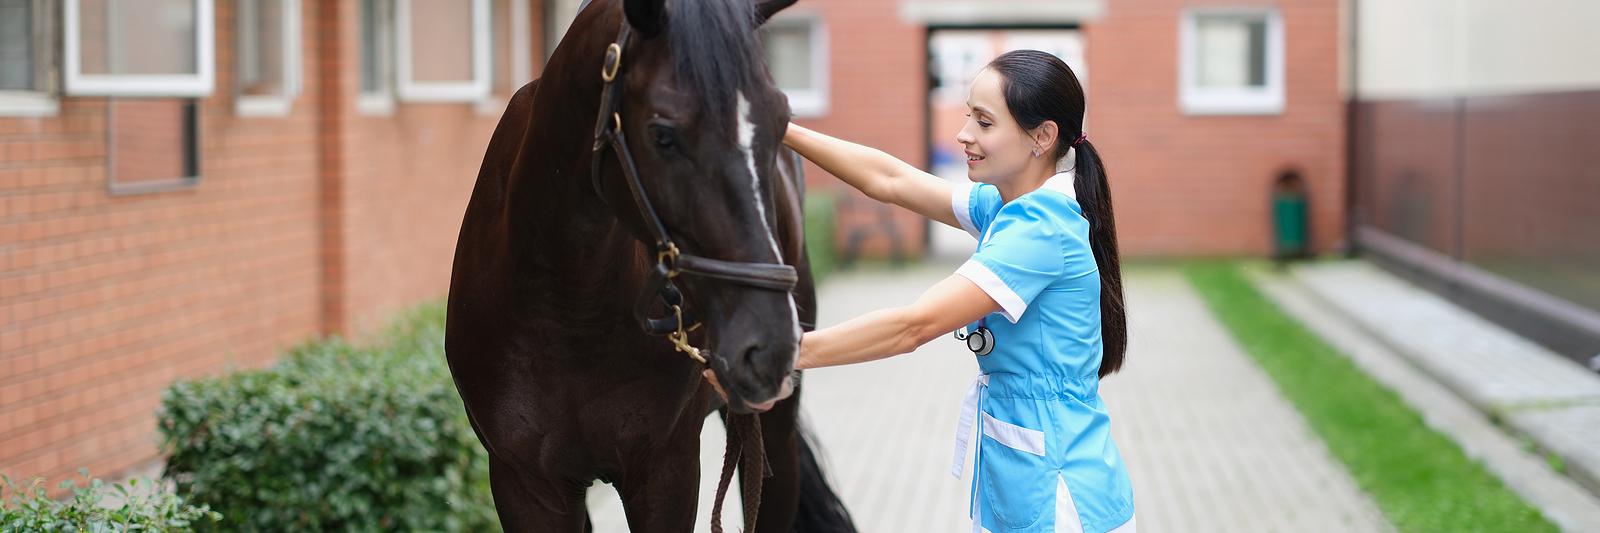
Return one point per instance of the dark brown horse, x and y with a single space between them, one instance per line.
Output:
583 230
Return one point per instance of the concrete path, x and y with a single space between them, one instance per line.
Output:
1210 443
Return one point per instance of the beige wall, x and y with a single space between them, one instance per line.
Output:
1425 48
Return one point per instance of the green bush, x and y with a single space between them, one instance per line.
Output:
820 214
334 437
28 509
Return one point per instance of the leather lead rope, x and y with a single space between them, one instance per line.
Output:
745 449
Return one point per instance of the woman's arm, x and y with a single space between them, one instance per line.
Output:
877 174
948 305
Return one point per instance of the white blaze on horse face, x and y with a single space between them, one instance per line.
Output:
747 134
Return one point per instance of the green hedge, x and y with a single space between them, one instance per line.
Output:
27 508
821 213
334 437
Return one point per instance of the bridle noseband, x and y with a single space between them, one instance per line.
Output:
670 261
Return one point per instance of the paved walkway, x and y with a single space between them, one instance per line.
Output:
1210 443
1460 371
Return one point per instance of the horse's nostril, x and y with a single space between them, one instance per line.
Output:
749 355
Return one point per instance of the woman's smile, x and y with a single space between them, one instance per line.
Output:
973 159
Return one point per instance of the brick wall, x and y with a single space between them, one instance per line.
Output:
877 97
316 222
404 180
1199 185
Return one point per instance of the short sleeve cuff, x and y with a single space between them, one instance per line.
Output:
1011 305
961 203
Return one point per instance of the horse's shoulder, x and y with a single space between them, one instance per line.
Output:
527 91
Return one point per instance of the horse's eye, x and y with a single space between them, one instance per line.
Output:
664 136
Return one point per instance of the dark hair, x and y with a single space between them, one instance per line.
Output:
1039 87
715 48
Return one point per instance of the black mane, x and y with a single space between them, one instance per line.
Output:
715 50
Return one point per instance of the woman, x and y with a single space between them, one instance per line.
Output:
1041 298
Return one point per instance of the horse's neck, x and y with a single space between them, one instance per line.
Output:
561 229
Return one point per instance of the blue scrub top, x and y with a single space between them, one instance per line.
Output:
1046 461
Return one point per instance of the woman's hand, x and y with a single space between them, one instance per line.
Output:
712 378
790 132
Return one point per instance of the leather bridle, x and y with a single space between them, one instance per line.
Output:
670 261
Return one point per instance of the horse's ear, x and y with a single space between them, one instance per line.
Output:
647 17
765 9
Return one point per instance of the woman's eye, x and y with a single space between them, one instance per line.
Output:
984 124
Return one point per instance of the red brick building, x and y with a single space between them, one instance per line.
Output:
205 219
292 168
1191 160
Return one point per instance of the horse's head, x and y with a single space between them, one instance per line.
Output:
704 124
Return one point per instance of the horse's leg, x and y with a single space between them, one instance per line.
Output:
525 504
661 494
659 486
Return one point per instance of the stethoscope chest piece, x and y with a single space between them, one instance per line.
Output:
980 341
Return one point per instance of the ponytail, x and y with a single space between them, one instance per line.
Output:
1094 194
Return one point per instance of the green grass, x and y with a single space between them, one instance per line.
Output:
1420 479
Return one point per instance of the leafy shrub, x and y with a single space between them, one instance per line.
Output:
334 437
26 508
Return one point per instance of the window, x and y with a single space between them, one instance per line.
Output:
1231 61
797 54
268 56
138 47
377 58
454 64
558 16
152 144
509 66
26 58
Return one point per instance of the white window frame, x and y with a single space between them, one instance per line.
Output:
520 56
195 85
381 101
1196 100
557 20
41 101
280 104
813 102
472 90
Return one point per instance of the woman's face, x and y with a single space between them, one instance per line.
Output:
996 146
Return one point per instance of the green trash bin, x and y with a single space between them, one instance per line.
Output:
1290 238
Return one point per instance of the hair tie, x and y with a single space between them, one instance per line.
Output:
1081 138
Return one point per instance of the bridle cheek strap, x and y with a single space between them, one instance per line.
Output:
670 261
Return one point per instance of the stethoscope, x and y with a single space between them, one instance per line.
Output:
980 340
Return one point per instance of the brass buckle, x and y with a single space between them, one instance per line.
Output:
680 338
613 62
662 257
